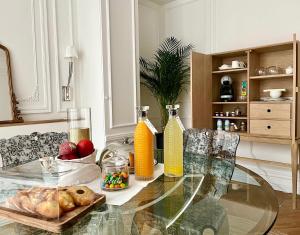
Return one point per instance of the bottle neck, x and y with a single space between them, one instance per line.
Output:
142 116
173 113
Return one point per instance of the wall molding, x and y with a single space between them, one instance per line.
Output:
177 3
34 97
118 137
150 4
56 58
58 77
31 104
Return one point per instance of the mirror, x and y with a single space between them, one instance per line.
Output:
9 112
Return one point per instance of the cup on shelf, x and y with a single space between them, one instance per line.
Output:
261 71
224 66
289 70
273 70
235 64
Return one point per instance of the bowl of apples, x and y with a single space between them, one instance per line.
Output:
83 152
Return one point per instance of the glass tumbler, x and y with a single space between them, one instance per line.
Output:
79 122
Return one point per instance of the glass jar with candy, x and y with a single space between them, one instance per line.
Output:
115 173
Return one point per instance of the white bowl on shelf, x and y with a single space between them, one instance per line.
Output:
90 159
275 93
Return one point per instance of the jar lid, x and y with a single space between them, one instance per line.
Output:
115 160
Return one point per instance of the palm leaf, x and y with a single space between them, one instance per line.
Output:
167 75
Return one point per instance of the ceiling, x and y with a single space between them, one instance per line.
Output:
162 2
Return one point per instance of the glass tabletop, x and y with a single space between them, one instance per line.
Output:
182 206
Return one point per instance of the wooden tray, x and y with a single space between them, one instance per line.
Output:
56 225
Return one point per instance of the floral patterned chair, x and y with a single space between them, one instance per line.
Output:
213 154
25 148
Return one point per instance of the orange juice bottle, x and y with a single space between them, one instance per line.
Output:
144 146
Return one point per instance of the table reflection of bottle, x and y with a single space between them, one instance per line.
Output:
77 134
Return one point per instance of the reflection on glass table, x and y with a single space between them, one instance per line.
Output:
181 206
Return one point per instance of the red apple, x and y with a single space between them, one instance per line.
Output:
67 148
68 157
85 148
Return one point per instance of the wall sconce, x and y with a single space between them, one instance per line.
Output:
71 55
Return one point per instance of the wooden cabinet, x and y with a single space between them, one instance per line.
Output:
270 111
270 127
267 121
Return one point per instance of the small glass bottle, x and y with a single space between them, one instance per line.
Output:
144 146
79 122
226 125
219 125
173 144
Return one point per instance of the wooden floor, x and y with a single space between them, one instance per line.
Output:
288 220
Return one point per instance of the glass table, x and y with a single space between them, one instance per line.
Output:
180 206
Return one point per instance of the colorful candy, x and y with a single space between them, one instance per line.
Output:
115 180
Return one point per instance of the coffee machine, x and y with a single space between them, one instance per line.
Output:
226 90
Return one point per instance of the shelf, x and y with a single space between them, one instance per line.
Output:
271 102
272 76
9 124
230 71
236 118
242 133
237 102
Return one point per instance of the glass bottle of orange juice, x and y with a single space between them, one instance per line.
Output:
144 146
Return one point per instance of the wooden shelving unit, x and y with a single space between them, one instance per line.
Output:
273 76
232 118
233 102
226 71
269 122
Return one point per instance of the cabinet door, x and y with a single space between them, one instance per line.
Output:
201 90
121 56
297 105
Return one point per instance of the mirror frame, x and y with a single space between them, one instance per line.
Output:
15 111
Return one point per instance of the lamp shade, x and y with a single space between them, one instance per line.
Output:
71 52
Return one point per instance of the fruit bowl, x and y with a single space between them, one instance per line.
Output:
90 159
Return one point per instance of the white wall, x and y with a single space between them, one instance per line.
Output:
251 23
150 35
36 33
186 20
89 42
217 25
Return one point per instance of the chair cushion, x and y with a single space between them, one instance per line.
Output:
26 148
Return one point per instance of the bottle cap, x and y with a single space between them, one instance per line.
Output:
172 107
142 110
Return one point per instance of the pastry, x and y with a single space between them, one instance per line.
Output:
51 202
26 204
50 194
82 195
65 201
49 209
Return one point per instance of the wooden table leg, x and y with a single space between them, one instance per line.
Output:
294 163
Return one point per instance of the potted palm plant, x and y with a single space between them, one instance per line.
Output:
167 75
